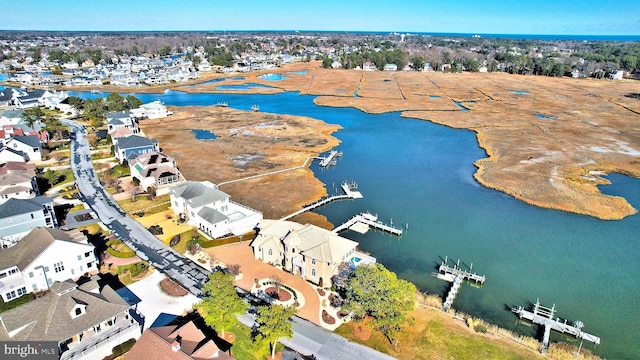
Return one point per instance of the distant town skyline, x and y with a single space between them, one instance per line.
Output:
569 17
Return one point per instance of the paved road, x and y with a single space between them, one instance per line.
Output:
308 338
146 246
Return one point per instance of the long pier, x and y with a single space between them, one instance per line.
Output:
544 316
457 281
369 220
350 192
330 160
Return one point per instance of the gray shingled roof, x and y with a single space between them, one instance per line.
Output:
18 206
211 215
198 194
49 316
35 243
135 141
17 152
31 140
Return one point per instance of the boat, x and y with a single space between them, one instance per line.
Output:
255 108
222 104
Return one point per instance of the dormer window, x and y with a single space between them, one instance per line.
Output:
78 310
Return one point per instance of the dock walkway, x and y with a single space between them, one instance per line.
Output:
544 316
350 192
456 275
369 220
330 160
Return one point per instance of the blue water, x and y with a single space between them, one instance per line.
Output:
273 77
247 86
204 134
234 78
434 96
421 174
519 92
459 105
545 117
297 72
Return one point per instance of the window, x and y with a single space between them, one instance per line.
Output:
34 287
89 264
3 275
79 257
73 271
31 274
313 261
46 269
87 254
13 271
270 252
11 295
58 267
313 272
32 216
22 291
78 311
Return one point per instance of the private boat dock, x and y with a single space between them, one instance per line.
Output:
368 220
330 160
544 316
456 275
350 192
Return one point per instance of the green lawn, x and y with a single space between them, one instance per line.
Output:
142 203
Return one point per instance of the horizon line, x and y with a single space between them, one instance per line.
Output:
331 31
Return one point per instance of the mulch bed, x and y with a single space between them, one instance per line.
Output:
282 295
328 318
321 292
171 288
342 314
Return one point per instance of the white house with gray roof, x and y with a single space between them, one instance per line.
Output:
19 216
17 185
43 257
201 204
86 320
29 145
122 119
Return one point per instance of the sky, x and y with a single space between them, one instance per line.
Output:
556 17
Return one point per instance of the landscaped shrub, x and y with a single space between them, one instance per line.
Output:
156 230
123 348
174 240
117 248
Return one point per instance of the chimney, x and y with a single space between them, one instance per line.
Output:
175 346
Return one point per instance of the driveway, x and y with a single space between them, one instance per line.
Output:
251 269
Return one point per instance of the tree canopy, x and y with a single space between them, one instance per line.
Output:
377 292
221 303
274 323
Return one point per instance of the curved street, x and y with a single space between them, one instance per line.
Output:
308 338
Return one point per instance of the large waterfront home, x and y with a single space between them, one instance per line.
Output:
153 110
310 251
122 119
43 257
201 204
85 320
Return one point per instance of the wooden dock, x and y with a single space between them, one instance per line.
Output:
350 192
369 220
330 160
545 316
457 276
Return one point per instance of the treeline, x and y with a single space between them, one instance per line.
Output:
96 110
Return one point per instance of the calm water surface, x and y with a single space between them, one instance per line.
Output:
421 174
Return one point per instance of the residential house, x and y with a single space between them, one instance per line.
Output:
176 342
616 75
43 257
201 204
10 155
19 216
155 171
122 119
29 145
369 66
134 144
18 185
390 67
6 97
125 80
152 110
86 320
310 251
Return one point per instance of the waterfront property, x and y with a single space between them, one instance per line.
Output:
122 119
155 171
43 257
310 251
85 320
201 204
152 110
